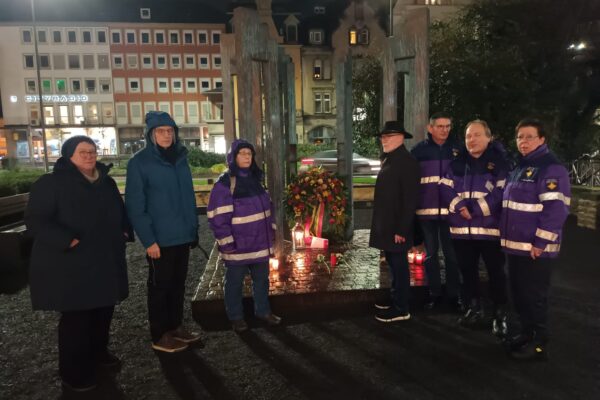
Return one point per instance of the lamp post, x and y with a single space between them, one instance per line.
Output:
39 86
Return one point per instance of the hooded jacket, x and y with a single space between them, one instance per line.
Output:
159 195
478 184
240 212
433 162
535 205
64 205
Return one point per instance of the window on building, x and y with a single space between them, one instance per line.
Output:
92 113
42 36
145 37
119 85
188 37
132 61
63 115
145 13
26 36
164 106
179 112
44 61
74 61
216 61
315 36
317 69
88 61
177 85
219 111
101 36
148 85
28 60
191 85
30 86
104 85
58 60
216 37
363 36
122 116
159 37
149 106
207 111
86 36
173 37
117 61
202 37
61 86
90 86
190 61
49 115
75 86
72 36
163 85
217 83
56 36
161 61
203 62
291 32
103 61
130 37
108 113
192 111
204 84
116 37
46 86
78 118
175 61
146 61
136 112
134 85
322 103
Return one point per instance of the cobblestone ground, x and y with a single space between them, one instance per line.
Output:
321 356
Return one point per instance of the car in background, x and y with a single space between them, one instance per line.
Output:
327 159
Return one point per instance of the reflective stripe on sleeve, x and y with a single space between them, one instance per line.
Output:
225 240
501 183
453 203
247 256
447 182
509 244
472 195
219 210
475 231
489 186
541 233
432 211
250 218
485 209
513 205
555 196
430 179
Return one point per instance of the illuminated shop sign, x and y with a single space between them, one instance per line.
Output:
73 98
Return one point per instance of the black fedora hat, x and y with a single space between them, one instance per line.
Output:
394 127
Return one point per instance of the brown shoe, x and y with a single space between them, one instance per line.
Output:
168 344
186 336
270 319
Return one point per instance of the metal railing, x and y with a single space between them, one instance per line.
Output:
585 170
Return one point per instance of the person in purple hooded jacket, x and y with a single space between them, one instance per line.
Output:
535 206
240 214
472 189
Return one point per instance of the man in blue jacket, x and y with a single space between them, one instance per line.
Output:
434 154
160 201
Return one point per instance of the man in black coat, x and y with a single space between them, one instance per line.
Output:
396 198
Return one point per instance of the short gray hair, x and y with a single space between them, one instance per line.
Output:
486 127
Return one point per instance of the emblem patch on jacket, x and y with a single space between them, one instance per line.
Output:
529 174
551 184
455 152
491 166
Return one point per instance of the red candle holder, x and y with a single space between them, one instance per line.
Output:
333 259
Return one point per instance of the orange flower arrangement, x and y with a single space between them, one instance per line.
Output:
319 197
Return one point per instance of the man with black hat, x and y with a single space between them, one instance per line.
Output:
396 197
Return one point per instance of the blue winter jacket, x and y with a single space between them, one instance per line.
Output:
159 196
433 162
477 184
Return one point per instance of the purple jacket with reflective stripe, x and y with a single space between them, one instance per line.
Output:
535 205
476 183
433 162
242 224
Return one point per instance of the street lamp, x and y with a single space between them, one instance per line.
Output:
39 86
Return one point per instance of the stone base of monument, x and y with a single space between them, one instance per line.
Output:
306 283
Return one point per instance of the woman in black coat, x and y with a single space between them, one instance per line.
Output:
77 219
395 203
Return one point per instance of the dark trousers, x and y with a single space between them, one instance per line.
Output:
468 253
399 270
166 289
530 283
82 338
436 233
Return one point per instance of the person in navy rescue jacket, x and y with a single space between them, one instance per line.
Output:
535 206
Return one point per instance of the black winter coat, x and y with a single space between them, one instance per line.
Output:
396 199
63 206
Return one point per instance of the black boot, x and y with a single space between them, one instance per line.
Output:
500 322
473 316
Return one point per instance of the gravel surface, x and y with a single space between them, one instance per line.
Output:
319 357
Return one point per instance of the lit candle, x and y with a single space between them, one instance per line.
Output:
333 259
274 263
411 257
419 258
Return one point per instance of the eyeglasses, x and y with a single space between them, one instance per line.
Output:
245 153
164 131
527 138
91 153
443 126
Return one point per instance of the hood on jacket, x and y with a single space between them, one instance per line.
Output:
159 118
236 146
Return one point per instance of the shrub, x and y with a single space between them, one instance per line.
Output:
199 158
308 149
218 168
18 181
